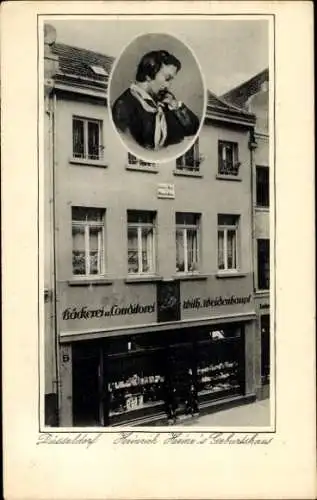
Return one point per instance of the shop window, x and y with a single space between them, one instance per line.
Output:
187 242
141 242
132 343
228 242
220 362
262 186
263 264
133 161
228 158
135 385
88 241
191 160
87 139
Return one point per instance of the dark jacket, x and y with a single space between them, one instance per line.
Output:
129 115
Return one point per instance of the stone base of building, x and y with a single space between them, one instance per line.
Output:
205 409
51 410
263 392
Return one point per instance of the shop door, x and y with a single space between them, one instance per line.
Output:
181 375
265 349
86 400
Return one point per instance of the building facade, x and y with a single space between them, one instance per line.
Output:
253 95
149 289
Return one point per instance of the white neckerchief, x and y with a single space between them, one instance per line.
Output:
151 106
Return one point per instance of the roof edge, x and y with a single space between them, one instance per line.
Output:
244 84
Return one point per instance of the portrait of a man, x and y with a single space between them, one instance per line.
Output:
148 111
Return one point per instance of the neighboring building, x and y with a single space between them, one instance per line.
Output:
149 268
253 96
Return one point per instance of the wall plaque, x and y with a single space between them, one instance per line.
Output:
166 191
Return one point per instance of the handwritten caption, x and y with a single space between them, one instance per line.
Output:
186 438
170 438
84 439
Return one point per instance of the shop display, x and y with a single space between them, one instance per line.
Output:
218 377
135 392
134 380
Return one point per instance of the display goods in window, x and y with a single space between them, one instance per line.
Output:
135 392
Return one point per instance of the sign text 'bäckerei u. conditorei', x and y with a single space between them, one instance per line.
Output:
86 312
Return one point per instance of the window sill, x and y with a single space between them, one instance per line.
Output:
222 177
262 209
189 276
262 293
136 168
89 282
131 280
88 163
228 274
187 173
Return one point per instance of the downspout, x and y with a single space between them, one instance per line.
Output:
56 339
50 70
252 148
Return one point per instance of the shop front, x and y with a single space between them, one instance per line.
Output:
184 362
148 379
157 376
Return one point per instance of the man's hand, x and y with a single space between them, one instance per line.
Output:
170 100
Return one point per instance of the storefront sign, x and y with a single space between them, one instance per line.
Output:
166 191
83 312
168 305
199 303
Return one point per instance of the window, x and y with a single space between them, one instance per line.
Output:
191 160
87 139
141 242
263 264
99 70
88 241
187 247
136 162
262 186
228 163
227 242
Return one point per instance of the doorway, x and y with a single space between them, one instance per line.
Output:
265 349
86 399
181 378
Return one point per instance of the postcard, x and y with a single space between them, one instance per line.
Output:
158 280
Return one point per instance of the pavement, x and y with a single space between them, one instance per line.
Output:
255 414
